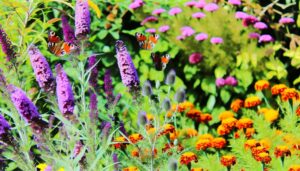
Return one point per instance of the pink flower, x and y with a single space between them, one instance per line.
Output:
136 4
187 31
230 80
175 11
249 20
198 15
149 19
260 25
286 20
151 30
190 3
265 38
220 82
164 28
201 36
158 11
235 2
200 4
240 15
216 40
211 7
253 35
195 58
181 37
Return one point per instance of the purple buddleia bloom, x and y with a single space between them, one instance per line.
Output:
64 93
116 162
2 79
42 70
122 129
253 35
220 82
105 128
158 11
216 40
7 47
92 64
164 28
149 19
265 38
117 99
108 87
127 69
151 30
260 25
201 36
198 15
240 15
82 19
286 20
230 80
211 7
93 107
4 126
235 2
69 35
175 11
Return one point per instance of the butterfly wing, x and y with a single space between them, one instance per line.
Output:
58 47
165 60
157 61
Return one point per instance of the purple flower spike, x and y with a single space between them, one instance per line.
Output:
235 2
151 30
190 3
92 63
127 70
286 20
240 15
187 31
216 40
260 25
116 162
198 15
42 70
211 7
164 28
122 129
7 47
105 128
201 36
4 126
175 11
93 107
149 19
200 4
64 93
265 38
158 11
108 87
69 35
254 35
231 81
82 19
220 82
195 58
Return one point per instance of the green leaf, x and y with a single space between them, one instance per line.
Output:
102 34
225 95
245 78
189 71
220 72
208 85
211 102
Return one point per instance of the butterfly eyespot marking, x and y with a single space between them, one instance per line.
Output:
156 36
52 33
62 53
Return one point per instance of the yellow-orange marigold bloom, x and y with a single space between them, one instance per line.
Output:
174 135
189 132
261 85
131 168
281 151
188 157
252 101
168 128
289 93
278 88
181 107
203 144
171 145
196 169
222 130
120 142
228 160
249 132
263 157
271 115
249 144
150 117
193 113
229 123
294 168
298 111
257 150
226 114
236 105
204 118
134 138
262 110
218 143
244 123
135 153
266 143
206 136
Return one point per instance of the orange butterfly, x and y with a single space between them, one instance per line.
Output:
147 43
59 47
160 61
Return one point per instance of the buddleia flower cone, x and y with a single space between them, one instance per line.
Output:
69 34
108 88
7 47
42 70
82 19
5 131
92 64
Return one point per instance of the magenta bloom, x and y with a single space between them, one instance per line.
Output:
82 19
265 38
151 30
181 37
108 87
190 3
164 28
249 20
93 107
158 11
220 82
200 4
7 47
260 25
253 35
240 15
235 2
136 4
216 40
92 64
69 35
211 7
201 36
175 11
195 58
42 70
231 81
4 127
127 69
198 15
149 19
187 31
64 93
286 20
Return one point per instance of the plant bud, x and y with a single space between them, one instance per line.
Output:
170 79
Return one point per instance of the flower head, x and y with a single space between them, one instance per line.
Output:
203 144
281 151
93 107
235 2
7 46
278 88
252 101
167 128
249 144
134 138
151 30
236 105
204 118
263 157
108 87
228 160
195 58
222 130
190 3
220 82
229 123
249 20
187 31
216 40
188 157
149 19
240 15
131 168
260 25
136 4
244 123
4 127
82 19
253 35
218 143
286 20
211 7
69 35
198 15
163 28
294 168
200 4
158 11
289 93
92 64
230 80
41 69
261 85
201 36
265 38
175 11
226 114
120 142
270 114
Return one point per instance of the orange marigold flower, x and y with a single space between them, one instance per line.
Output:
167 128
278 88
281 151
218 143
226 114
298 111
204 118
294 168
150 117
203 144
196 169
252 102
262 110
134 138
206 136
168 146
193 113
135 153
263 157
261 85
236 105
229 123
249 144
228 160
237 134
244 123
222 130
188 157
271 115
257 150
181 107
131 168
174 135
120 142
289 93
249 132
266 143
189 132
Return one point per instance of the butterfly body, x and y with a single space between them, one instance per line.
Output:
59 47
145 42
160 61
